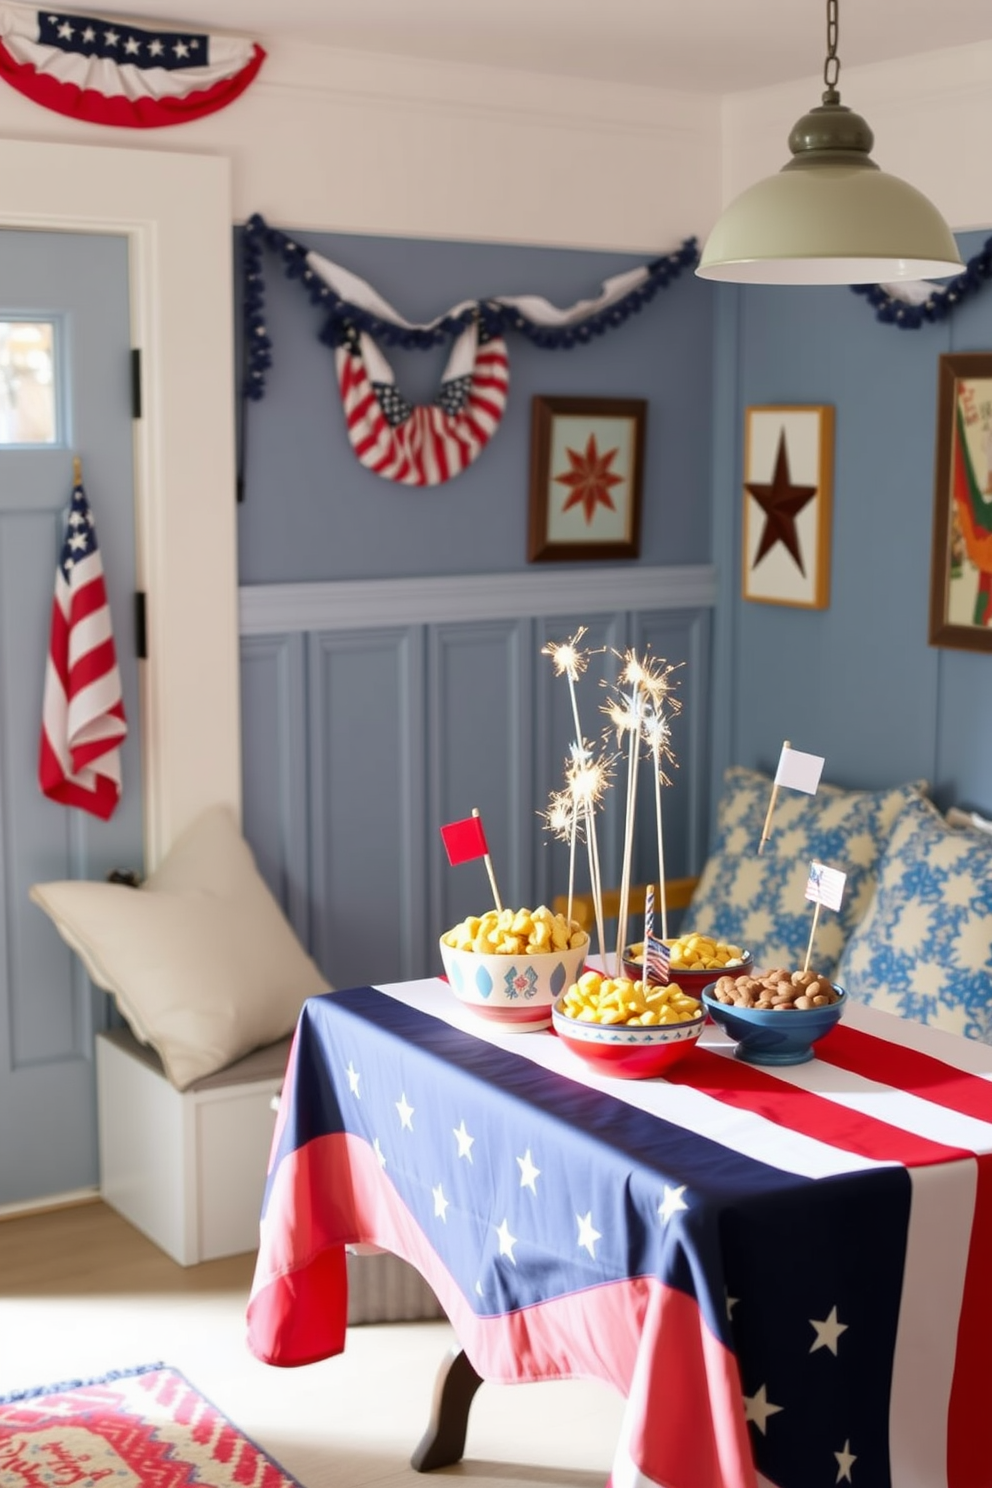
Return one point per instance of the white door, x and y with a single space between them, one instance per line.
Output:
73 289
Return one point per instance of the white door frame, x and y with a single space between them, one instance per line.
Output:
175 211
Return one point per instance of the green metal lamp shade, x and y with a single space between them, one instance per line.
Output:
830 216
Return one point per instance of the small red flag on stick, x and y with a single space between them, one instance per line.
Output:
465 840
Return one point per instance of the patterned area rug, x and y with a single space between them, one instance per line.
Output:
143 1428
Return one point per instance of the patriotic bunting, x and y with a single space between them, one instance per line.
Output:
107 71
83 723
426 445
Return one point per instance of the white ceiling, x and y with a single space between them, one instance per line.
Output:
709 46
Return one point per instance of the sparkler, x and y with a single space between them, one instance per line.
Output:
585 776
656 731
561 820
625 714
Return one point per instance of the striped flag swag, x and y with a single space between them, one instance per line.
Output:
83 723
108 71
427 444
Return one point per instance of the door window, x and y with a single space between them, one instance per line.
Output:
28 409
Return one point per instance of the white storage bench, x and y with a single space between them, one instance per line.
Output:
187 1168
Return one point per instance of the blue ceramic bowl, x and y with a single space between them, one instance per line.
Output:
765 1036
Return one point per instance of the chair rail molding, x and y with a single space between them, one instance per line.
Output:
357 604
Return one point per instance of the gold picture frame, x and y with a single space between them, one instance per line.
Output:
961 553
788 499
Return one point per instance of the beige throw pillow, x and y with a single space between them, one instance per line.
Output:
200 959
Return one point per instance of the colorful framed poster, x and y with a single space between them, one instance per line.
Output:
788 494
961 554
586 473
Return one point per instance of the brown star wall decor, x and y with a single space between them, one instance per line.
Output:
788 476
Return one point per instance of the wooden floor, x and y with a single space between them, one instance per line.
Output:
82 1292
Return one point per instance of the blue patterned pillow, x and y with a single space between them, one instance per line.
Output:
759 902
924 947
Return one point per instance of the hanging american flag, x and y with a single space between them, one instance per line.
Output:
111 72
427 444
83 721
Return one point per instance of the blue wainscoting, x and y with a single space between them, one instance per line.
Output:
374 711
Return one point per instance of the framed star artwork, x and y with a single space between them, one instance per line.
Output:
586 474
788 492
961 558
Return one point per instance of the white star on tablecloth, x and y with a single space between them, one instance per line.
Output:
529 1174
827 1332
845 1461
406 1112
758 1408
440 1204
587 1234
672 1202
464 1141
506 1241
353 1079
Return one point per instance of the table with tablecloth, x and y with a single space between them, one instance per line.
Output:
784 1271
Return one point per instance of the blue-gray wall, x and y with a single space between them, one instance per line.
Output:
360 738
857 683
312 512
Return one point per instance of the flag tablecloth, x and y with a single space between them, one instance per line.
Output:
783 1271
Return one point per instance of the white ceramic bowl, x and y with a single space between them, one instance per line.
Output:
516 991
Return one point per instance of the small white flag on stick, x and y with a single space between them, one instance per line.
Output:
824 886
796 771
799 771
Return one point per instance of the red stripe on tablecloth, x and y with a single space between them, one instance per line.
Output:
764 1094
956 1090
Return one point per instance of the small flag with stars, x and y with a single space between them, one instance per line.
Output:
109 71
657 956
825 885
83 723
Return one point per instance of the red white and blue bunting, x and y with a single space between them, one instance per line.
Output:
107 71
428 444
923 302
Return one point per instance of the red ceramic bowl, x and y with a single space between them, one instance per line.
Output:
692 982
626 1050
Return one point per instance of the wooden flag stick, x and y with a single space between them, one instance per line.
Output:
77 471
809 948
489 870
771 807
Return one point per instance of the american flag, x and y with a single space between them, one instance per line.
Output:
108 71
785 1271
657 954
83 721
430 443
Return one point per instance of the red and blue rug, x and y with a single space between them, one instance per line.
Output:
141 1428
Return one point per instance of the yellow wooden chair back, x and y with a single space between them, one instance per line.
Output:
678 894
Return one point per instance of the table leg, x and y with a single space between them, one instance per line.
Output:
443 1443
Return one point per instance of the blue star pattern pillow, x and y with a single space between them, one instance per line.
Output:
924 947
758 901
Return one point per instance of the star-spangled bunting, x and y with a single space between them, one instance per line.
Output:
83 723
641 1221
108 71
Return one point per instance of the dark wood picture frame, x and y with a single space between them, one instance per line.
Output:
961 553
586 478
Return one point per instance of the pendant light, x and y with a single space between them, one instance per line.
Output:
830 216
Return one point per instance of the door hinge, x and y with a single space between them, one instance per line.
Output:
136 382
140 626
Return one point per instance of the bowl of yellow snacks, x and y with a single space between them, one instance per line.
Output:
627 1028
694 961
510 965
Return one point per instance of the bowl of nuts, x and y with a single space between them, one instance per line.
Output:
627 1028
508 966
694 960
775 1018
